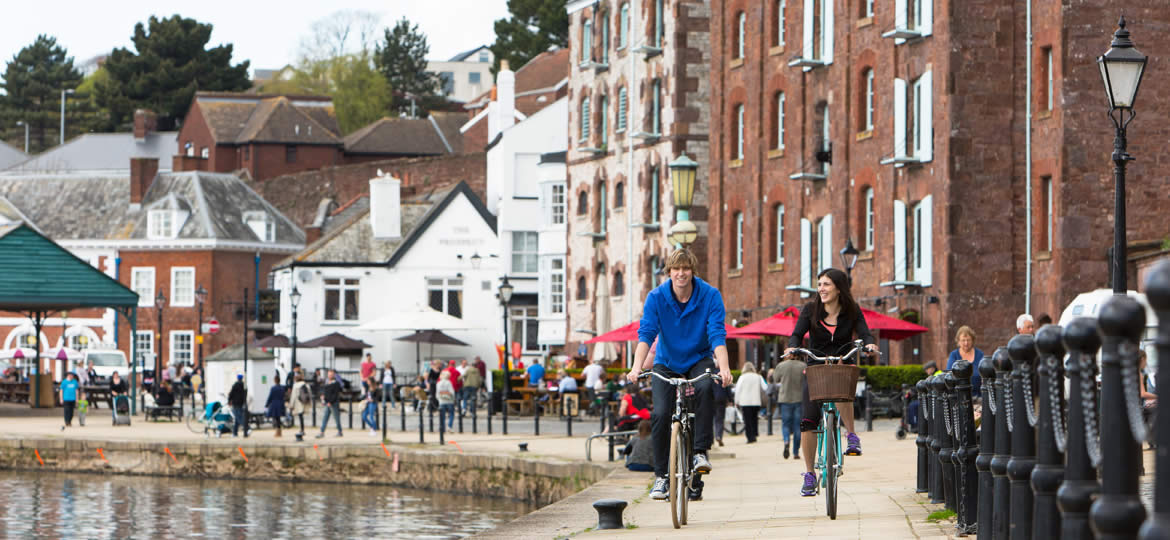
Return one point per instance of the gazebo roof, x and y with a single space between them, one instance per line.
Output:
37 274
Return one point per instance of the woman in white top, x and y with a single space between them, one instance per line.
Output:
749 396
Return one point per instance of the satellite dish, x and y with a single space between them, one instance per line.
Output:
305 276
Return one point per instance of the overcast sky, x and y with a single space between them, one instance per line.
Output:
267 33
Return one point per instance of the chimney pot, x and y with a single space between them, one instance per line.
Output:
145 122
142 173
386 207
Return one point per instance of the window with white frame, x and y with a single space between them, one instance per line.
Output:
204 152
142 282
144 344
868 120
869 219
806 267
484 56
656 107
738 263
739 132
587 41
1049 89
826 141
556 285
1046 207
779 255
922 252
556 204
160 224
780 102
524 252
621 110
604 39
182 345
79 342
183 286
654 194
341 299
913 119
446 295
603 121
262 226
740 35
912 17
778 31
818 30
526 327
584 120
868 12
624 26
659 29
825 243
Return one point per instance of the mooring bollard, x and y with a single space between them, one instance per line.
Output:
489 415
421 434
460 418
350 412
1001 520
403 407
771 411
942 405
474 418
1158 294
936 428
609 513
950 441
1022 349
442 426
986 450
1050 434
922 441
314 413
1080 485
536 414
568 423
1118 512
964 458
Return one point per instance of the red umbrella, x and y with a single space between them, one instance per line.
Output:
891 328
780 324
629 332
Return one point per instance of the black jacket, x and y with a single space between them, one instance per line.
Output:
165 398
820 340
238 396
331 392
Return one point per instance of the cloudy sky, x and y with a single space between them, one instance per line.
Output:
267 33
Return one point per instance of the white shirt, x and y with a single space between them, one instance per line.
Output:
387 376
592 374
461 369
748 389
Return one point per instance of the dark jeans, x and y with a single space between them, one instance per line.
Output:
370 415
241 420
790 422
660 417
335 409
639 467
912 414
751 422
69 407
718 417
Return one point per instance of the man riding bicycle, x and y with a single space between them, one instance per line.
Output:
686 316
830 320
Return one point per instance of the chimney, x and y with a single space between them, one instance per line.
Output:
503 114
145 122
386 207
142 173
312 234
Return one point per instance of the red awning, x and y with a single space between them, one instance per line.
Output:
780 324
891 328
629 332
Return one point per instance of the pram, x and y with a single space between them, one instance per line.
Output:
121 410
215 419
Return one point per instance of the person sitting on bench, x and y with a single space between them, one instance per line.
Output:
633 409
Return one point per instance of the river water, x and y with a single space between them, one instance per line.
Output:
65 505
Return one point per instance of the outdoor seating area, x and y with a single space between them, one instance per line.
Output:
173 412
16 392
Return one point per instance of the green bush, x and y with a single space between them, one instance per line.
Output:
893 377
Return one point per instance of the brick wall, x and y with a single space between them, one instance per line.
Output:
270 160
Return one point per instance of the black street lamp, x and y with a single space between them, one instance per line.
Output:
160 302
294 299
505 298
1122 67
200 298
849 257
682 180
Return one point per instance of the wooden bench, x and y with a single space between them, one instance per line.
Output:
173 412
522 406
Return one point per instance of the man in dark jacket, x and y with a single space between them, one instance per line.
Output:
331 396
238 401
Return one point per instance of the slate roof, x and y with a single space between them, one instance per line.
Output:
10 155
90 207
435 135
101 153
465 54
239 118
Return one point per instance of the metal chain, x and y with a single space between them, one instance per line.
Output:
946 407
1088 365
924 402
1029 400
1009 406
990 389
1056 402
1131 388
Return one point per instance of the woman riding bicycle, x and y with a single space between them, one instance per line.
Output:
831 321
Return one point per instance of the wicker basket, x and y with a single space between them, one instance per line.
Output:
832 382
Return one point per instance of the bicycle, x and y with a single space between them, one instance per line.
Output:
830 460
210 419
682 431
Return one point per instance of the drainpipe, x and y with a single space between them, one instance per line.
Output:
117 274
1028 167
255 287
631 100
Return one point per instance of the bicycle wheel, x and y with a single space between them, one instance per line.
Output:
684 465
195 421
675 458
832 441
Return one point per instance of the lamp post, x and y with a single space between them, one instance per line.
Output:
160 302
506 297
64 92
682 179
849 258
294 299
1122 67
200 297
25 124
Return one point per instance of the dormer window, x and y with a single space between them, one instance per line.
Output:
160 224
261 225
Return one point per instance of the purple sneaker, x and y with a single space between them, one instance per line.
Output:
809 489
854 448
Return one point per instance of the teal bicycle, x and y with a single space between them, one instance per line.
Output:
830 382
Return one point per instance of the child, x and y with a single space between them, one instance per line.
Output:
82 408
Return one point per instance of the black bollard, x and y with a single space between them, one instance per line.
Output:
489 415
922 441
1118 512
536 414
351 412
946 444
1050 434
1158 293
609 513
936 427
569 424
950 442
1080 486
403 407
421 434
964 457
1022 349
986 450
771 411
431 417
442 427
1001 486
460 418
474 419
314 413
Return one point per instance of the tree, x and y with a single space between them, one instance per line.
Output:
535 26
344 32
402 59
33 82
171 62
360 94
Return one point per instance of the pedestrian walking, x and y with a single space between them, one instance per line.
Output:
274 407
749 397
789 377
302 398
446 397
370 405
388 384
331 397
238 401
117 387
69 391
471 384
368 367
719 398
454 373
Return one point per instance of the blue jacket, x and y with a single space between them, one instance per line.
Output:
976 382
688 333
275 404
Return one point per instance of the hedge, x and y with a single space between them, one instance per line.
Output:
893 377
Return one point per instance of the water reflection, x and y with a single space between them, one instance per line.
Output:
63 505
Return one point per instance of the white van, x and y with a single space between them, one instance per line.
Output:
1089 304
106 362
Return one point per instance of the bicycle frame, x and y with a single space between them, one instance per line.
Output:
828 408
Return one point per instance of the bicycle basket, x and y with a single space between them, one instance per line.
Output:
832 382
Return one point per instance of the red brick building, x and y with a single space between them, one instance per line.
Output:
905 132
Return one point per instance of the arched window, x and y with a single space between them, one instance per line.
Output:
778 247
585 120
778 121
603 121
867 100
740 36
587 41
868 219
583 203
619 284
624 26
582 293
737 238
621 110
619 195
737 130
778 24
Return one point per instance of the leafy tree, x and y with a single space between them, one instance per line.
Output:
341 33
535 26
402 59
33 82
171 62
361 95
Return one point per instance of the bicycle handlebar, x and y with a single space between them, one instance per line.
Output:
678 381
858 347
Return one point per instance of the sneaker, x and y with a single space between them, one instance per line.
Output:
786 451
373 432
320 436
854 448
809 489
661 486
700 464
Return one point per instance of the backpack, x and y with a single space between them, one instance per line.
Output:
303 395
